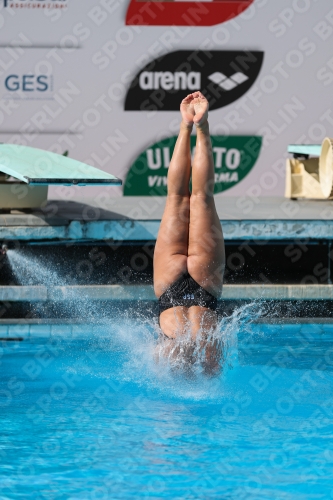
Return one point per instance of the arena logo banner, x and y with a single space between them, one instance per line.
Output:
184 13
26 86
223 76
234 157
35 4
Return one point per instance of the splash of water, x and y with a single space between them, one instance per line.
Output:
34 270
178 366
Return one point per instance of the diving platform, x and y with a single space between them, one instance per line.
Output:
304 150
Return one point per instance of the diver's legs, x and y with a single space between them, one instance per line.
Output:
206 254
170 257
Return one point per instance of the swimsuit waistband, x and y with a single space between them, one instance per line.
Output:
186 292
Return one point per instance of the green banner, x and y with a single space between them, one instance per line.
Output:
234 157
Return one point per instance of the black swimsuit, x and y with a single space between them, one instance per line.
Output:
186 292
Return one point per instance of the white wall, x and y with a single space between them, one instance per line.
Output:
296 36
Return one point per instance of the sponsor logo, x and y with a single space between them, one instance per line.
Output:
223 76
234 157
166 80
228 83
28 86
35 4
180 13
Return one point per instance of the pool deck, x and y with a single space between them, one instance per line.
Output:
138 219
146 292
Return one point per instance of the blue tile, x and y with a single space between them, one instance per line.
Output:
19 330
64 331
40 330
3 330
79 330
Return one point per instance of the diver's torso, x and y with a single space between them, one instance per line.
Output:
187 320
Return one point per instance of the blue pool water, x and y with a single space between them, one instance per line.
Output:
87 413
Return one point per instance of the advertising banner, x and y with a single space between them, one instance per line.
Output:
234 157
162 83
104 82
180 13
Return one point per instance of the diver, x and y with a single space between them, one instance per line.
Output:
189 256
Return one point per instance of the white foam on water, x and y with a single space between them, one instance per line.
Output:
179 367
182 367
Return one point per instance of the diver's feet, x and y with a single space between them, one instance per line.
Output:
201 106
194 109
187 111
